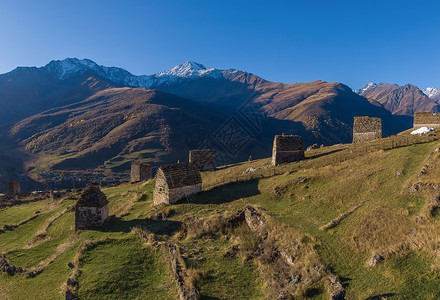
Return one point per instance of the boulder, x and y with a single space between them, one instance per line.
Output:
375 260
312 147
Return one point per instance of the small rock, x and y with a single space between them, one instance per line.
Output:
312 147
338 294
282 296
3 262
296 279
232 251
419 219
70 295
398 173
6 227
194 294
277 192
375 260
424 170
301 179
70 281
10 270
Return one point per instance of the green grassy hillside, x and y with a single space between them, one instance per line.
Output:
331 213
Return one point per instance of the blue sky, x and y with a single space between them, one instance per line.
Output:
352 42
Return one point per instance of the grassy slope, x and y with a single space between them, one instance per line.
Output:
328 191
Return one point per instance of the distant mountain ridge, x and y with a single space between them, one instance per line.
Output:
76 115
63 69
401 100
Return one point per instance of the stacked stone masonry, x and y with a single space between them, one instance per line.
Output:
141 172
426 119
91 209
13 188
366 129
203 160
176 181
287 148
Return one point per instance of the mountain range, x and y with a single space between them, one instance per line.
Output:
402 100
74 115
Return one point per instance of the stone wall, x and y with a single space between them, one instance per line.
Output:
13 188
426 119
287 148
203 160
162 194
90 217
366 129
141 172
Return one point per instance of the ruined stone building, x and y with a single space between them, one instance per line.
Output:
91 209
426 119
203 160
366 129
287 148
176 181
141 171
13 188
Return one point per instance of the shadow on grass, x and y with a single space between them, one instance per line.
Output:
382 296
312 292
162 227
225 193
345 281
326 153
208 298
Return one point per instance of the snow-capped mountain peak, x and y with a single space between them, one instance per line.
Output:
365 87
66 67
431 92
63 69
187 70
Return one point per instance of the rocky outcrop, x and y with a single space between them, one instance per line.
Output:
184 291
337 291
8 268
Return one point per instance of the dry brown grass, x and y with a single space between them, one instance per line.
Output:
286 264
126 206
382 231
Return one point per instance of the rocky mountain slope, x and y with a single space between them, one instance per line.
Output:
400 100
75 114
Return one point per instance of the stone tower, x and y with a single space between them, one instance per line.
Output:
366 129
141 171
426 119
13 188
91 208
287 148
203 160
